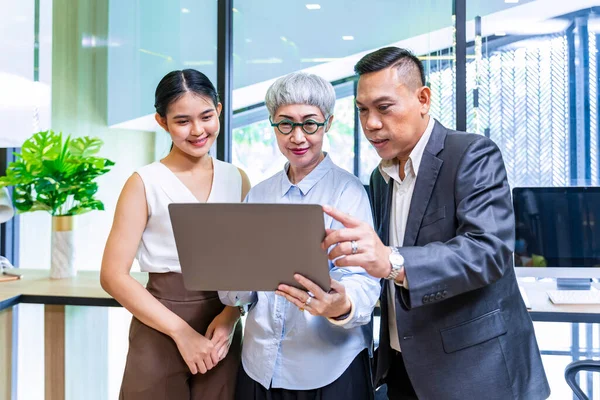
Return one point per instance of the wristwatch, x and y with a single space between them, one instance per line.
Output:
397 262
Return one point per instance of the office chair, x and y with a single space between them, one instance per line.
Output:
571 372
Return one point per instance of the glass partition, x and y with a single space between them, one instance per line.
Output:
148 39
327 39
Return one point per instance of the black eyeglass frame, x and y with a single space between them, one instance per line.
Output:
300 124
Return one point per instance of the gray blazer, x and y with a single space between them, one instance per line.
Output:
463 327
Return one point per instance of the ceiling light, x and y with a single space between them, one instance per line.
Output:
235 10
348 37
248 40
152 53
185 10
511 1
500 33
283 38
318 60
88 41
313 6
272 60
197 63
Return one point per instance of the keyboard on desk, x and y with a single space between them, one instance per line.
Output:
574 296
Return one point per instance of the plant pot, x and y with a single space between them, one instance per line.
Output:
62 263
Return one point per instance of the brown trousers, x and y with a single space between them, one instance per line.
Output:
155 369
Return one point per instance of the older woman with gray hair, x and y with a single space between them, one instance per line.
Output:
308 344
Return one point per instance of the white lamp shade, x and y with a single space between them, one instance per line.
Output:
6 208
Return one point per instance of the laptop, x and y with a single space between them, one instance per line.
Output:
249 247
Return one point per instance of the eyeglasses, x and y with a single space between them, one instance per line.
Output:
309 126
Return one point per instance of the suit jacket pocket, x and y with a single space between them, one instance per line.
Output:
475 331
434 216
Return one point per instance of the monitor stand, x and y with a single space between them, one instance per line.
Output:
573 283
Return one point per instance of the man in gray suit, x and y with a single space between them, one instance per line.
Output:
453 324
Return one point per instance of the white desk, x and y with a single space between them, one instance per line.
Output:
37 288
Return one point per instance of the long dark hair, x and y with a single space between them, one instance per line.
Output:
176 83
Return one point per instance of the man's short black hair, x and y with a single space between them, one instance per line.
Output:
392 57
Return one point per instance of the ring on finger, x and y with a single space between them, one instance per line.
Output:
354 246
307 302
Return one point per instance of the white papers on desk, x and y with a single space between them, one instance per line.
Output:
525 298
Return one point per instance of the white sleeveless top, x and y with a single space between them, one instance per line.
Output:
157 251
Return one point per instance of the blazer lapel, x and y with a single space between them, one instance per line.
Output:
387 204
427 176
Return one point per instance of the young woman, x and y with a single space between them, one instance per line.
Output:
308 344
182 344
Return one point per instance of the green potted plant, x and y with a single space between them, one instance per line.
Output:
57 175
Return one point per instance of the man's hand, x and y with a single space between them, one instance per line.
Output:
369 252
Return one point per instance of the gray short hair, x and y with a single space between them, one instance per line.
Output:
301 88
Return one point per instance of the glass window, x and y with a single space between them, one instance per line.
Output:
339 141
265 49
255 151
369 159
519 86
25 70
338 37
523 107
441 77
594 77
149 39
328 34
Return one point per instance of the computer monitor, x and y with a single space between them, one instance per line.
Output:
557 232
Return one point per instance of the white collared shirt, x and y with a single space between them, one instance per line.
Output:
401 198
